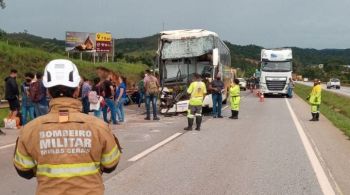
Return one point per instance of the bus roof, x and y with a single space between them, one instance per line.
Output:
182 34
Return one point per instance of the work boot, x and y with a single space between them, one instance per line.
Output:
232 114
148 118
198 122
235 114
317 116
190 124
313 117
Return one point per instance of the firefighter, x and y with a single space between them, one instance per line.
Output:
66 150
315 100
235 99
197 91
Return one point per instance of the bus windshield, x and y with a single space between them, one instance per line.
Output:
183 72
276 66
187 48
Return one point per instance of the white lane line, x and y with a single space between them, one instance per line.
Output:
7 146
153 148
224 108
322 178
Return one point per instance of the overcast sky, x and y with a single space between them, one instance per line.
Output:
269 23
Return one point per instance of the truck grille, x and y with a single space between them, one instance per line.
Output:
275 85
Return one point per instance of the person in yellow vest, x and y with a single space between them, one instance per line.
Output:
235 99
67 151
197 90
315 100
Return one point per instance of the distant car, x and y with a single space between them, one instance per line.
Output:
333 83
306 79
242 84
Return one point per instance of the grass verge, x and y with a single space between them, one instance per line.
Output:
3 113
335 107
34 60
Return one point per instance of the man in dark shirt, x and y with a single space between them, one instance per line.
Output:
217 87
41 105
107 92
11 91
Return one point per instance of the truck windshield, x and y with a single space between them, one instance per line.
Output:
187 48
276 66
335 80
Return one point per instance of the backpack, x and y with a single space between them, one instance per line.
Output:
152 87
93 97
35 92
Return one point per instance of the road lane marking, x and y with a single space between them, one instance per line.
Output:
7 146
153 148
224 108
322 178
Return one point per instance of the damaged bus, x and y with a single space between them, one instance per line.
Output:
181 54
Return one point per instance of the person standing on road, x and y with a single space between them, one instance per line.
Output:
141 91
217 86
96 106
11 91
235 99
121 98
151 85
290 88
86 88
27 104
107 92
66 150
38 94
197 91
315 100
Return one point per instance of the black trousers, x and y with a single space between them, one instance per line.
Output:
14 104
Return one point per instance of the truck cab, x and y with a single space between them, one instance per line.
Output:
276 70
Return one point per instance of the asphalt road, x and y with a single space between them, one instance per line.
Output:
263 152
342 91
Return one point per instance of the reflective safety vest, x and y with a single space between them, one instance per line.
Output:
315 95
235 91
235 97
67 150
197 89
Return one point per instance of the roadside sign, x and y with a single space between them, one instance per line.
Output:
89 42
104 42
80 42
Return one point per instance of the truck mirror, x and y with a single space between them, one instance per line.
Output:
216 57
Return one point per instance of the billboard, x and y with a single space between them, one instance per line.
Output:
104 42
88 42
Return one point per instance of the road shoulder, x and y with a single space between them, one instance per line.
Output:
330 144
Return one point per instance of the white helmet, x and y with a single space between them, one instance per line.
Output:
61 72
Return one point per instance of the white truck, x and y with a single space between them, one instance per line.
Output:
333 83
276 70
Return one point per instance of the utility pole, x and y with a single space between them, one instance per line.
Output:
113 49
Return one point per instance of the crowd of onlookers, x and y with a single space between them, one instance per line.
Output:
33 96
104 95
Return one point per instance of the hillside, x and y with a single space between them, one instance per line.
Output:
33 60
247 57
143 50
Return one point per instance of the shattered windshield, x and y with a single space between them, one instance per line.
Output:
186 48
